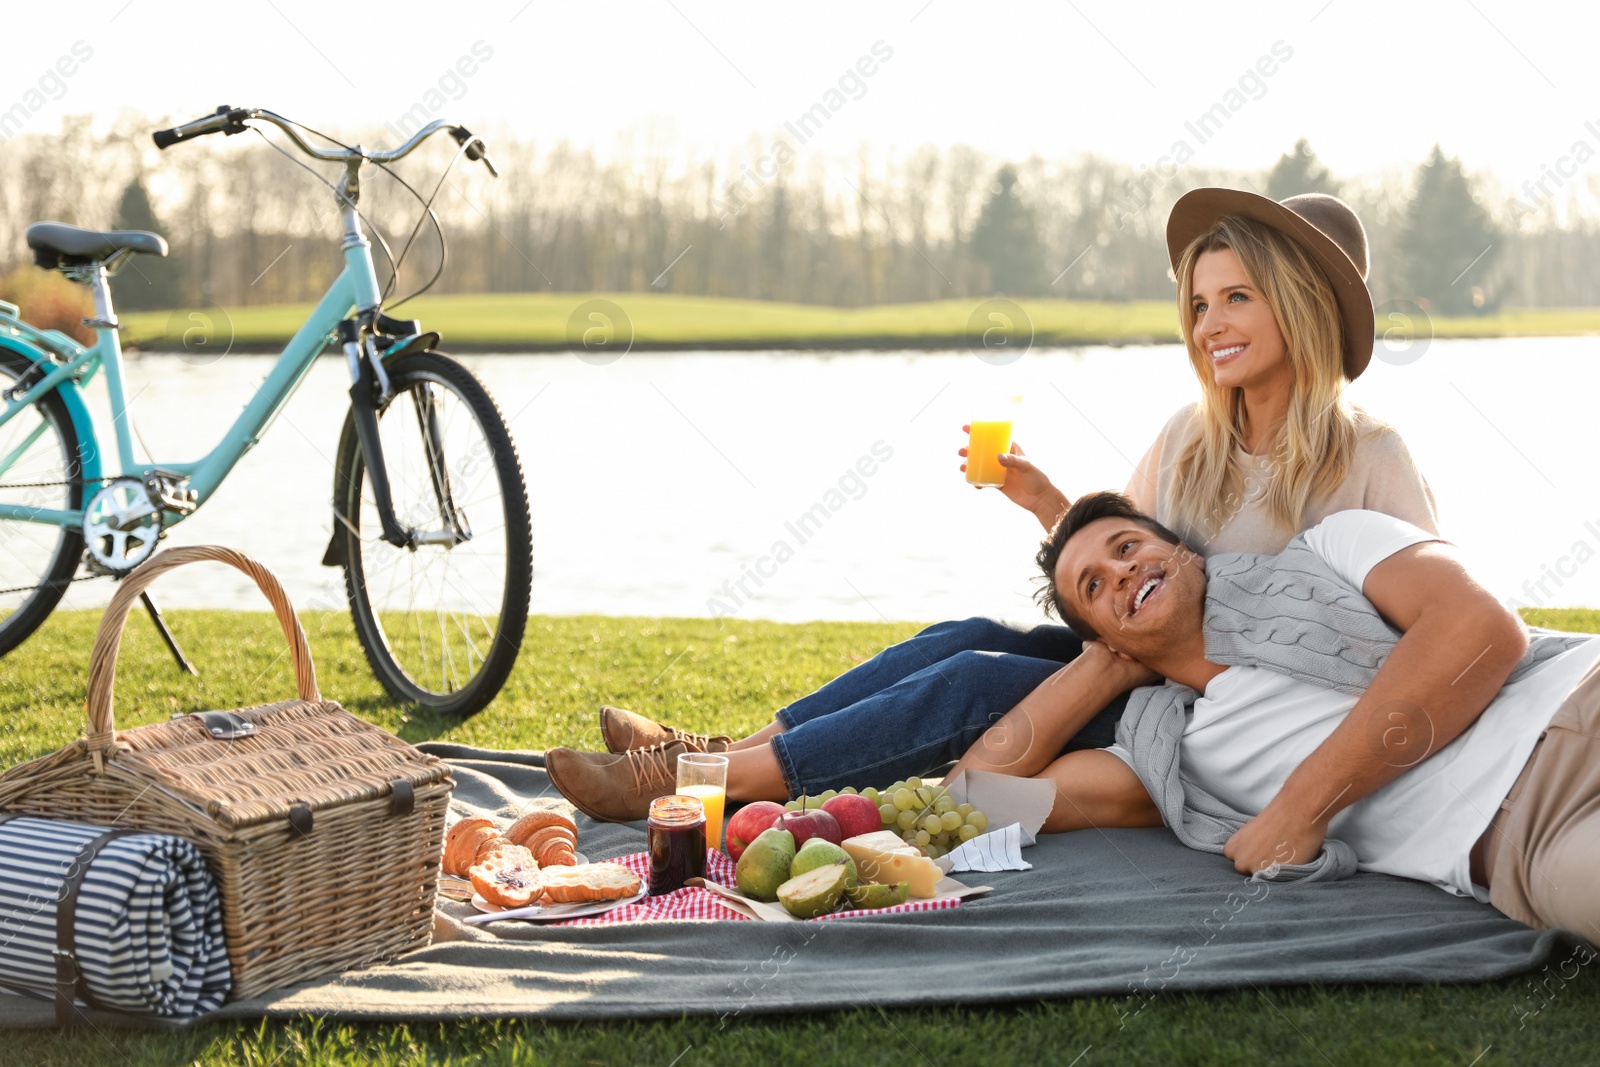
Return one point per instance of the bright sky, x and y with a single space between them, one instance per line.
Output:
1509 87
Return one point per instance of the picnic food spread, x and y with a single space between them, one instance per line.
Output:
842 853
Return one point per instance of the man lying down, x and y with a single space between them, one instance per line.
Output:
1357 700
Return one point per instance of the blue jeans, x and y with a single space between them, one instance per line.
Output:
919 705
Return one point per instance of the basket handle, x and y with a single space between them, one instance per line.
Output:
108 639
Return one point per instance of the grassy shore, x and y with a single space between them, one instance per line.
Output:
534 321
725 676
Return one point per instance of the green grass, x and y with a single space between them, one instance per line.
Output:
541 320
728 676
1519 322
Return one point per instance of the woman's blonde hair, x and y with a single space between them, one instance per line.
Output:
1310 453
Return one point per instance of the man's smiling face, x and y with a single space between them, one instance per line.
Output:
1138 591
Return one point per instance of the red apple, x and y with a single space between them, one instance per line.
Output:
855 814
815 822
747 824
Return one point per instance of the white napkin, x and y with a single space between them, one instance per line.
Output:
997 850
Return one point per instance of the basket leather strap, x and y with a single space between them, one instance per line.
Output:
69 976
402 798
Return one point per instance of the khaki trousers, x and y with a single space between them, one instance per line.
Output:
1542 850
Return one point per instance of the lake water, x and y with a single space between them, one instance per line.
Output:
798 486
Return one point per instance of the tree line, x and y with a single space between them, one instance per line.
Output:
249 225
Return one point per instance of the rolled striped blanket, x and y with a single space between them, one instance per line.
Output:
146 921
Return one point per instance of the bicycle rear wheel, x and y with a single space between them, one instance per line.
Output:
441 623
36 561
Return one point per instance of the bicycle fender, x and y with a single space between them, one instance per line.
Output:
77 409
422 342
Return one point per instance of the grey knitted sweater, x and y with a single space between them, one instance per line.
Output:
1290 613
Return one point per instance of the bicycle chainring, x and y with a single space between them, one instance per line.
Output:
121 526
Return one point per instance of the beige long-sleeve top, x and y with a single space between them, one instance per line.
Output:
1382 477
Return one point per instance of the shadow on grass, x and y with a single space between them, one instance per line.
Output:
417 724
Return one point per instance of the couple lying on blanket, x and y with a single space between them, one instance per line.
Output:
1356 701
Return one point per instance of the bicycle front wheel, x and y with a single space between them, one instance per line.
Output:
441 621
39 449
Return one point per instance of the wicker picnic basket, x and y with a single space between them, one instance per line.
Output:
324 832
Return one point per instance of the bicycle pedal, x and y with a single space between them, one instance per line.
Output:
165 488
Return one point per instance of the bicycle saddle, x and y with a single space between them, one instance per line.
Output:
56 244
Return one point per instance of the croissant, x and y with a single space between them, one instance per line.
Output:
507 877
535 821
589 881
464 842
553 846
549 835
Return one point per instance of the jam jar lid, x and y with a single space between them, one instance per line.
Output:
676 810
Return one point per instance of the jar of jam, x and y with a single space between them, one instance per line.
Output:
677 842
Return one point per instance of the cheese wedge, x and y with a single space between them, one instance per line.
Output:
883 859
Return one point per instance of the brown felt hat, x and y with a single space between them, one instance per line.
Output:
1323 225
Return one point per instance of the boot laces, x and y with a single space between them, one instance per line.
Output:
702 741
650 766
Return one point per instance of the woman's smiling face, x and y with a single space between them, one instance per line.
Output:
1234 326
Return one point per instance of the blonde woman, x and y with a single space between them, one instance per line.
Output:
1276 317
1272 446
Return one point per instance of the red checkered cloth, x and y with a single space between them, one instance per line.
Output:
693 902
690 902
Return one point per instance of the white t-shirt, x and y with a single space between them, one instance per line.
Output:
1252 727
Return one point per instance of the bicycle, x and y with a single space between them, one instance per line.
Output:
430 511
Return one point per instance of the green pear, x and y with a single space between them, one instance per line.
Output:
765 864
819 852
815 892
878 896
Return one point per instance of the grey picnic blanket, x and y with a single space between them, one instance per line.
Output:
1120 913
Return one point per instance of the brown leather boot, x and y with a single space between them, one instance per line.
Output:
615 787
623 731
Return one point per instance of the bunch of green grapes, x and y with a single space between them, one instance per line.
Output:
811 803
927 815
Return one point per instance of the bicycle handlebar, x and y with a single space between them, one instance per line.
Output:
226 119
476 150
230 120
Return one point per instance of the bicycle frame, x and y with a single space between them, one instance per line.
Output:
356 287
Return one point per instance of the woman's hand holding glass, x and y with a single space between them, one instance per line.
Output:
1027 486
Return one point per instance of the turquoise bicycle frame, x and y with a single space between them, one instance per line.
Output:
72 366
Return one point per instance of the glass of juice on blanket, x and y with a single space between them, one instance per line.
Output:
704 776
676 842
985 443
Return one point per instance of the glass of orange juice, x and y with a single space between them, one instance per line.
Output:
704 776
985 444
